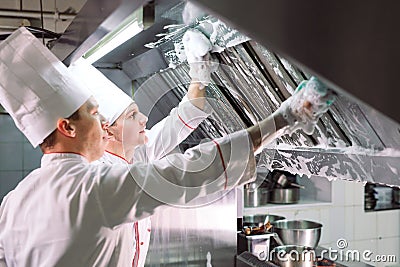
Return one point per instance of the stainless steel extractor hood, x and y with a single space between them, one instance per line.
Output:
353 141
352 44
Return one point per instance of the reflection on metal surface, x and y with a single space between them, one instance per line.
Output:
352 163
183 237
255 81
356 124
345 54
168 87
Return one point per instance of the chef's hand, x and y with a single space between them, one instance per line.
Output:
197 48
309 102
300 111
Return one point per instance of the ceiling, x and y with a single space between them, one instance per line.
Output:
57 14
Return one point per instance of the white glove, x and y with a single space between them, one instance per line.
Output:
191 12
309 102
197 48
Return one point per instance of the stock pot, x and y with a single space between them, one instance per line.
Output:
298 232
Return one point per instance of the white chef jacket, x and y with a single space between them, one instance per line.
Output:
163 138
73 213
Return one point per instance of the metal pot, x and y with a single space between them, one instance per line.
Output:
258 220
255 195
285 195
282 181
298 232
258 245
293 256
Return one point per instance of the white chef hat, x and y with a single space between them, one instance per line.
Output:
35 87
112 100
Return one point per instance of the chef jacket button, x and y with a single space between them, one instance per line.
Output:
149 230
141 243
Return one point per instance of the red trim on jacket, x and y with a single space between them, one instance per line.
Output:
135 261
117 156
187 125
223 163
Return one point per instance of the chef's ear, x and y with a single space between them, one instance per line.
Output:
66 127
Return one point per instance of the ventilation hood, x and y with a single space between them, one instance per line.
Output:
353 141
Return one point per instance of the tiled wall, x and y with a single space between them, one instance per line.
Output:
378 232
17 156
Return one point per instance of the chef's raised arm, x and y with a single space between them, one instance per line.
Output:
127 193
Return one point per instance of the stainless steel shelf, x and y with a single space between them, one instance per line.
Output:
302 204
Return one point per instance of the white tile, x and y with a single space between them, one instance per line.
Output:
363 246
349 221
325 220
388 223
365 224
358 196
8 131
8 181
349 193
32 156
389 247
323 188
339 226
288 214
338 192
11 156
309 215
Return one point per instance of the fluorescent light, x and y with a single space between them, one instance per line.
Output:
123 33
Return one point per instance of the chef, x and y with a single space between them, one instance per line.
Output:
69 212
129 141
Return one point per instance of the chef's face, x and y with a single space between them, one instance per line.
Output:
91 130
131 125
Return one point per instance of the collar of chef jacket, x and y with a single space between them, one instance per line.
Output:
55 158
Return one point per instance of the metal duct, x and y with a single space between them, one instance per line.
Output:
353 44
257 79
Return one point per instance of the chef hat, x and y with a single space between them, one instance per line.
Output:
36 88
112 100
